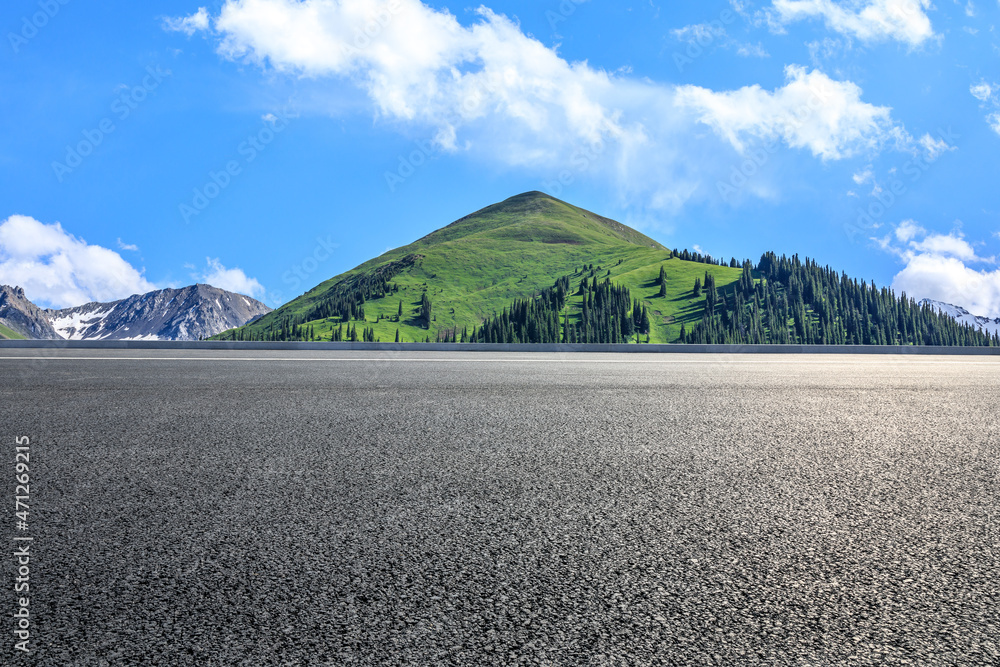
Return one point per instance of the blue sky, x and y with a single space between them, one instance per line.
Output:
266 145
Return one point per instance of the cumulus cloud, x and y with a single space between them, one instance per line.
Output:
872 21
490 89
812 111
57 269
982 91
189 25
231 280
937 266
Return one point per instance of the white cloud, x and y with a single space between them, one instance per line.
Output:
57 269
231 280
752 51
907 230
871 21
947 245
189 25
948 279
811 111
701 33
937 267
489 89
704 35
127 246
934 148
994 121
982 91
989 95
863 177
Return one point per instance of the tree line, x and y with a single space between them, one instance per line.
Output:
804 303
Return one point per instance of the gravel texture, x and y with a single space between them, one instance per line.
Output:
460 509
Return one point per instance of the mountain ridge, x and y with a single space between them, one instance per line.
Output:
186 313
22 317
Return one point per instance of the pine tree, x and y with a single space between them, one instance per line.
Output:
426 317
697 287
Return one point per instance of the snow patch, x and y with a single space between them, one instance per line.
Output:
965 317
71 325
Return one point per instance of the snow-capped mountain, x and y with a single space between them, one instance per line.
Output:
189 313
964 316
22 317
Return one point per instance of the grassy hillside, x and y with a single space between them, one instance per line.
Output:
476 266
7 333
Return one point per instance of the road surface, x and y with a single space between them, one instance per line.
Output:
315 508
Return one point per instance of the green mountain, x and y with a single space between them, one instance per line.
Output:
536 269
479 265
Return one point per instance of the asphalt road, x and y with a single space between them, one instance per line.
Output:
200 508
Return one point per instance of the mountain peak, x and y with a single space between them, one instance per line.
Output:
186 313
22 317
533 217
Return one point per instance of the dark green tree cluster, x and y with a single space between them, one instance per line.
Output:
688 256
527 320
803 303
426 314
609 315
345 300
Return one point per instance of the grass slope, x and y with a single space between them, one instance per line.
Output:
479 264
6 333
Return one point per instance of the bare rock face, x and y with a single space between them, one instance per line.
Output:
189 313
20 315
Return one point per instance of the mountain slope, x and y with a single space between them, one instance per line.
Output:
963 316
20 318
478 265
190 313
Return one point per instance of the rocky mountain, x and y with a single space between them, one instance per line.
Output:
965 317
22 317
189 313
